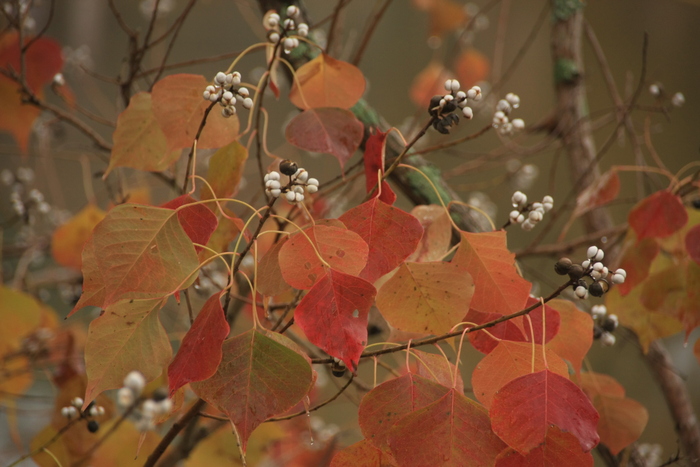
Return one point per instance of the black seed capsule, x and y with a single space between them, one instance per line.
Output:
575 272
597 289
93 426
563 266
288 167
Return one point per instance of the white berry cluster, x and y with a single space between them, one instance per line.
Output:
145 414
278 30
604 325
227 90
73 410
528 215
24 201
657 90
442 107
299 182
501 119
592 268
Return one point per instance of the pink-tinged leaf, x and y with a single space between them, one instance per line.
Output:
376 221
658 215
559 449
139 142
374 166
225 171
452 431
128 336
483 341
270 279
258 377
499 287
636 260
552 322
342 249
93 280
437 233
426 297
508 361
200 352
179 109
333 315
692 243
329 130
361 454
437 368
523 409
327 82
575 335
603 190
197 221
387 403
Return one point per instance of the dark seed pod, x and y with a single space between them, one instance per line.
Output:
449 107
582 283
563 266
440 126
452 119
575 272
93 426
597 332
609 324
338 369
597 289
159 394
288 167
433 107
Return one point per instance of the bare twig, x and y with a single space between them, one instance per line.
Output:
313 409
370 31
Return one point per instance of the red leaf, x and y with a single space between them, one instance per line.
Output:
551 318
42 60
604 189
499 287
200 352
575 335
511 330
376 222
658 216
360 454
327 82
437 368
523 409
692 244
559 448
16 117
452 431
329 130
333 315
471 67
197 221
636 260
374 165
258 377
343 249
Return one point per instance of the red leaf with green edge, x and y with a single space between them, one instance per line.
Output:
389 402
342 249
93 280
68 240
139 142
128 336
636 260
603 190
327 82
426 297
508 361
452 431
437 233
200 352
523 409
270 279
197 220
179 109
225 171
333 315
499 287
258 377
374 166
375 221
437 368
329 130
575 335
140 252
42 60
692 243
361 454
658 215
559 448
511 330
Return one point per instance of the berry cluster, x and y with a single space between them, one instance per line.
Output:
528 215
604 325
24 201
299 181
226 90
657 90
592 268
73 411
278 30
148 408
442 107
501 119
338 367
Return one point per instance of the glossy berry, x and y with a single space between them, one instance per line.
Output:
563 266
598 288
93 426
288 167
575 272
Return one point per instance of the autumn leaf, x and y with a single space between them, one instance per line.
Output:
575 335
603 190
225 172
198 222
258 377
121 448
428 83
445 15
361 454
692 243
437 233
333 315
16 117
68 240
219 448
636 259
523 409
437 368
200 352
374 166
486 340
559 448
329 130
21 315
658 215
376 221
327 82
426 297
128 336
471 66
550 327
270 279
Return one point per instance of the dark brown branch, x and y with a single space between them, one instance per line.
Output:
177 427
313 409
370 31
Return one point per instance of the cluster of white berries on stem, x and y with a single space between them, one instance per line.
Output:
592 268
74 411
227 90
278 30
528 215
442 107
604 325
299 182
148 409
657 90
501 118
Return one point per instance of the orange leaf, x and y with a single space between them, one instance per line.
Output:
471 67
327 82
559 448
438 368
445 15
575 335
604 189
658 215
68 240
437 233
428 83
636 259
16 117
270 279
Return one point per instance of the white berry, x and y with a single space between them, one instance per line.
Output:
135 381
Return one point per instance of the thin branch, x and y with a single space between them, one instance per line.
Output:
313 409
334 23
370 31
176 32
190 157
177 427
449 144
43 30
567 247
53 439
